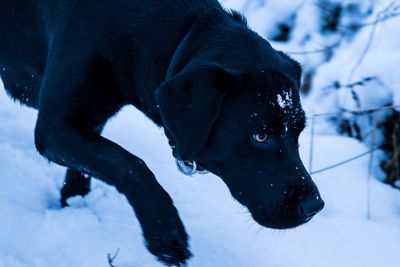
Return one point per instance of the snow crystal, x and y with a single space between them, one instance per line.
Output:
253 115
285 100
286 127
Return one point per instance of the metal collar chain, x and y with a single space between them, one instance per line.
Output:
189 168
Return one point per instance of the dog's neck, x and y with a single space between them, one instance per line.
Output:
183 55
191 51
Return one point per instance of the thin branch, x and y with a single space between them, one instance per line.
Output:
358 112
336 85
378 20
383 15
310 166
323 8
317 51
396 152
387 13
369 152
347 161
364 53
371 160
111 259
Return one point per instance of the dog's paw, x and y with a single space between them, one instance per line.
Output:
166 238
75 185
170 248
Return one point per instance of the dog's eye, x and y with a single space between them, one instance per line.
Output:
260 137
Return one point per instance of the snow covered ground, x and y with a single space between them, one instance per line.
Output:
36 232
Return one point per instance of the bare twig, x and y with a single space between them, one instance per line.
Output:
323 8
378 20
394 162
371 160
368 133
355 112
390 11
361 112
364 53
347 161
336 85
396 153
310 166
316 51
111 259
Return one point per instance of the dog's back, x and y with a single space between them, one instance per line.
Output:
22 49
30 28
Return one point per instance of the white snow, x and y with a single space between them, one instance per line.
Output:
36 232
285 100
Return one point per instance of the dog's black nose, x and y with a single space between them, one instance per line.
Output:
310 206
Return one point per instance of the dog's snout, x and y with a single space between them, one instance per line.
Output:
310 206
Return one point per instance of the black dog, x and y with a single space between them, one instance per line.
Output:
229 103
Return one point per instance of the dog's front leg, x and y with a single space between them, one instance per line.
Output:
68 103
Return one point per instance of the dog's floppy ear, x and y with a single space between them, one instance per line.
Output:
190 103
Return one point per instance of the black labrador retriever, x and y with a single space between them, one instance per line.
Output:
229 103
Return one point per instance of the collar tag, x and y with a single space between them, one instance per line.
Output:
189 168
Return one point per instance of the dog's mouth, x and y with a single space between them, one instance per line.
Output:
284 206
279 220
286 215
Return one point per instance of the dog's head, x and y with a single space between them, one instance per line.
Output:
241 120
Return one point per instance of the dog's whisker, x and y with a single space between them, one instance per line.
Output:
251 225
261 228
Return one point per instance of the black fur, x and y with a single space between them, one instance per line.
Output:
191 67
